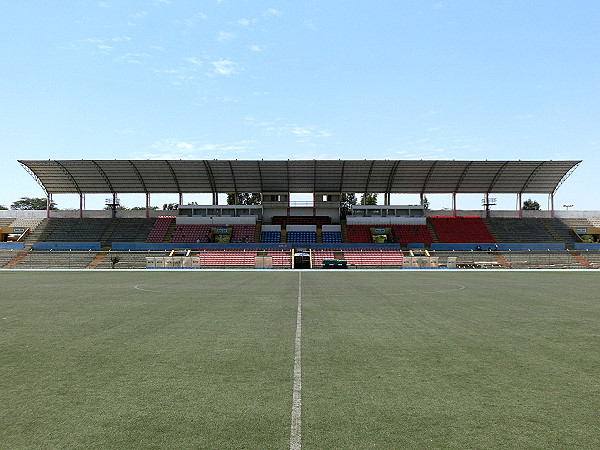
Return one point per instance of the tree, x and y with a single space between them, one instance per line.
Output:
118 208
425 203
2 207
368 198
531 205
32 203
243 198
170 206
346 203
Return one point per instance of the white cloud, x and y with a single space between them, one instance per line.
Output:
225 36
244 22
105 48
139 15
193 149
194 60
255 48
170 71
272 12
301 133
224 67
103 5
132 58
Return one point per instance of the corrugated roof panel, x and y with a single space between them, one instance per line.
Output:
205 176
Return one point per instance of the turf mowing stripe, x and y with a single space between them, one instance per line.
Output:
295 436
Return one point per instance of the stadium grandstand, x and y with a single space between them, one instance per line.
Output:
279 234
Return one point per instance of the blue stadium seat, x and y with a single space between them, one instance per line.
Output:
270 237
332 237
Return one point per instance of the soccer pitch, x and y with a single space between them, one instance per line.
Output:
203 359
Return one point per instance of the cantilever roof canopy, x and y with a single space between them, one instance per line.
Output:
324 176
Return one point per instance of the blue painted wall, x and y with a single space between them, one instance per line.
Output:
501 247
140 246
584 246
11 245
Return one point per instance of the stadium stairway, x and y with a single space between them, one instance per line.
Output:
432 232
97 260
491 230
16 260
104 240
170 231
46 229
560 231
344 230
501 260
581 260
34 235
258 232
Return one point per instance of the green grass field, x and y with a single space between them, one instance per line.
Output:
399 359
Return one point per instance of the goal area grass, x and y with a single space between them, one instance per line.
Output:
389 359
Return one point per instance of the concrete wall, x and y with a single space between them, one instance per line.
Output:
246 220
333 213
386 220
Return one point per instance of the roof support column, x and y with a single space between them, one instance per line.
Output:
315 203
454 204
215 198
81 205
519 205
551 202
180 198
48 202
114 205
487 205
147 205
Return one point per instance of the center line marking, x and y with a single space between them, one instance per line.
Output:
295 436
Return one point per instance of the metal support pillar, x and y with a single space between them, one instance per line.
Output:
147 205
48 202
519 205
454 204
114 205
487 205
180 198
81 205
551 202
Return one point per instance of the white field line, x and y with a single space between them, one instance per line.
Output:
295 436
137 286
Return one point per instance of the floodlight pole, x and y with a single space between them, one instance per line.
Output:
487 205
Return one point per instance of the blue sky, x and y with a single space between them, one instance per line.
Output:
465 80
